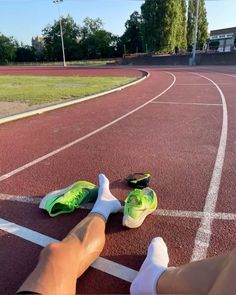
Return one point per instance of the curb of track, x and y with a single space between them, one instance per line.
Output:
55 106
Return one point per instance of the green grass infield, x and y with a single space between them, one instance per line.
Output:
47 89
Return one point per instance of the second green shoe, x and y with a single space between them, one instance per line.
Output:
138 205
68 199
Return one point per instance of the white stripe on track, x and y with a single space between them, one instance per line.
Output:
112 268
40 159
22 199
188 103
160 212
202 84
195 214
202 239
194 84
229 75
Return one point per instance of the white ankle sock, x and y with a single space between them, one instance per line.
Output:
106 203
153 266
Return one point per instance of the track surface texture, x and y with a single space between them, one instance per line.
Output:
179 124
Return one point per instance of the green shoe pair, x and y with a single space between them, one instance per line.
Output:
138 204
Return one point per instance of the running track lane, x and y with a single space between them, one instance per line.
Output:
55 129
69 71
228 187
224 233
167 146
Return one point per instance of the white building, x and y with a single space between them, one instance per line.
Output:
225 37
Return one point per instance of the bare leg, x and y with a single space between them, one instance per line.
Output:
213 276
60 264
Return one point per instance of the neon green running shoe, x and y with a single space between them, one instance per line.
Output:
68 199
138 205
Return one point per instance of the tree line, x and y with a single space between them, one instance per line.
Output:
160 27
165 26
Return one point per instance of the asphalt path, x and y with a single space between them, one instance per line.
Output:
178 124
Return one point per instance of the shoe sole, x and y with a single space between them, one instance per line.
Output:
134 223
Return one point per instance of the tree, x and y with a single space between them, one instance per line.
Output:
182 31
95 42
116 46
202 33
97 45
52 39
25 53
88 41
172 30
132 38
90 26
190 24
151 14
164 24
202 25
7 49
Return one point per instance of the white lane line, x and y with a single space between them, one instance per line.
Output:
40 159
25 233
160 212
112 268
195 214
200 252
229 75
193 84
224 84
22 199
224 216
188 103
202 84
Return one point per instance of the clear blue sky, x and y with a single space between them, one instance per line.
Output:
23 19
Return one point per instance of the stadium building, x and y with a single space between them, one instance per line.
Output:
226 38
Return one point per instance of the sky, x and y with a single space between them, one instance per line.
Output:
23 19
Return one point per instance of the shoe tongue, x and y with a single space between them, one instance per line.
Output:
136 197
134 200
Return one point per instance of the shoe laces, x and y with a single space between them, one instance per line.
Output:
73 199
73 203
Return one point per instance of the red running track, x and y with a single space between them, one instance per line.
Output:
175 137
68 71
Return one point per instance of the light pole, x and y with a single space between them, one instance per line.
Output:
62 41
195 33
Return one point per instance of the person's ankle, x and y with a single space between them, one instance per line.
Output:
99 215
106 203
154 265
166 281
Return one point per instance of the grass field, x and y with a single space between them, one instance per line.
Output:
45 89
